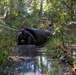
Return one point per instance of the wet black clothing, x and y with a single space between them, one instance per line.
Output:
26 38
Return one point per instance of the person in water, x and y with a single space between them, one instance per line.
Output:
51 28
25 38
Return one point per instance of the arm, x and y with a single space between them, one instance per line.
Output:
31 36
18 39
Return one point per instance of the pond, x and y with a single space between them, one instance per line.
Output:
32 60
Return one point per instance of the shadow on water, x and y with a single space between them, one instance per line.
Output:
30 50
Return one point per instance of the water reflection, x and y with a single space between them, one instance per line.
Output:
32 61
38 65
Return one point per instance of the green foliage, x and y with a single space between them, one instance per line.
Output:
3 56
37 14
7 40
53 47
16 24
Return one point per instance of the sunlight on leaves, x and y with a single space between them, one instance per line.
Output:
5 7
16 13
6 1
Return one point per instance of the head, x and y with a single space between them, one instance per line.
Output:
51 24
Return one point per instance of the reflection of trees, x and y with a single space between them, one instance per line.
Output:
45 66
35 66
41 66
38 65
55 67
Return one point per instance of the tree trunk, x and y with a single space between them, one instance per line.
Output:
41 8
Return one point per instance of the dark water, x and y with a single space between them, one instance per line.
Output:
33 61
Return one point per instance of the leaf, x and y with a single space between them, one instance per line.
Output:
4 7
16 13
23 4
0 14
6 1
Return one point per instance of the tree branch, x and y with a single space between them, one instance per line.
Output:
5 14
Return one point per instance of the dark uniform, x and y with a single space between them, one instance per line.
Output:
25 38
51 28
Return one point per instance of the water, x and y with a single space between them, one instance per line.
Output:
39 65
32 60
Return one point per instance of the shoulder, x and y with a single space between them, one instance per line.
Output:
28 32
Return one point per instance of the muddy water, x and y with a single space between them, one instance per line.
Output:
32 60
